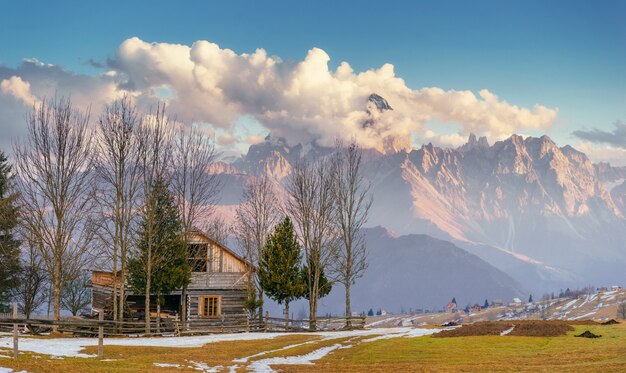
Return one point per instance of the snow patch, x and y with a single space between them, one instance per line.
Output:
166 365
507 331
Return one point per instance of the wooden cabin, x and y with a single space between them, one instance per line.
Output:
218 288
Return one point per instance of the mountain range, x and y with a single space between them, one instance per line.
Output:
543 215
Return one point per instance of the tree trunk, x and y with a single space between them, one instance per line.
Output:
122 301
260 305
312 312
115 279
158 315
56 293
147 304
348 310
183 307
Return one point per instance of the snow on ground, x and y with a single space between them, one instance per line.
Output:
582 316
569 304
507 331
166 365
9 370
263 366
73 346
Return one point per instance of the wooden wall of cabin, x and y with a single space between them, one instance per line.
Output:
232 302
101 297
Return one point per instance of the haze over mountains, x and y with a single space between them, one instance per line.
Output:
543 214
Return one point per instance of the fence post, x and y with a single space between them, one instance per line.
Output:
15 340
267 319
101 335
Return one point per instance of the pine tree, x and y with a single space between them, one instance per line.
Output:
454 300
486 305
9 246
324 285
280 266
169 267
370 312
530 298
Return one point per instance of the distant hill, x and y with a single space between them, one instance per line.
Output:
419 271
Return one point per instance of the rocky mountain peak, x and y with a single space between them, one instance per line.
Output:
473 143
379 102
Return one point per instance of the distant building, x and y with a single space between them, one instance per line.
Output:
497 303
451 307
616 287
515 302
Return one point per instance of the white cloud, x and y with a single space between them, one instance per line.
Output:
299 100
614 155
19 89
306 100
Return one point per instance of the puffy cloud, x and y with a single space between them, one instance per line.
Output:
617 137
299 100
33 80
614 155
19 89
305 100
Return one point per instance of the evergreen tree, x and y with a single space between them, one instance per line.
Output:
325 286
280 266
9 246
370 312
530 298
170 270
486 305
454 300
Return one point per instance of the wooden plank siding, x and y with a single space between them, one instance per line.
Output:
233 280
231 302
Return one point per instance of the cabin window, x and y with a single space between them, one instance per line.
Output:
198 257
210 306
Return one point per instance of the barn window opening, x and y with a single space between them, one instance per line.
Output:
198 257
210 306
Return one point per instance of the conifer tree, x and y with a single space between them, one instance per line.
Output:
160 257
530 298
9 246
486 305
280 266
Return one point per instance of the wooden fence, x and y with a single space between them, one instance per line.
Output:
163 327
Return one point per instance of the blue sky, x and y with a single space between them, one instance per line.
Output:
569 55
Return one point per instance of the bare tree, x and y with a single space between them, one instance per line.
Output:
31 292
118 170
196 189
352 205
155 161
254 219
219 230
75 296
311 208
56 183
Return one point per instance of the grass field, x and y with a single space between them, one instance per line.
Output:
358 354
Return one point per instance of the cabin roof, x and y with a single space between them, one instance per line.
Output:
226 248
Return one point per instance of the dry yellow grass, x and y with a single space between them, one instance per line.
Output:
462 354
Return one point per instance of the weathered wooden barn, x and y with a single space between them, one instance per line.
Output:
218 288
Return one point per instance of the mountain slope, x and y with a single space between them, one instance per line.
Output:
543 213
419 271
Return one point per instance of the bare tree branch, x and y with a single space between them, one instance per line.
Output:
55 179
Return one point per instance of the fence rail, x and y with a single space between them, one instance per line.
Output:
166 326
